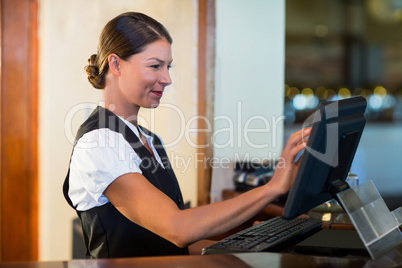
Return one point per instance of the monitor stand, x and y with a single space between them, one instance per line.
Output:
377 227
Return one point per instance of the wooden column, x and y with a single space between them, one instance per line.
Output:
18 130
206 72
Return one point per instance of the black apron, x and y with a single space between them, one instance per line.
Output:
107 232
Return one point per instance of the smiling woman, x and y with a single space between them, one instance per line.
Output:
132 66
123 187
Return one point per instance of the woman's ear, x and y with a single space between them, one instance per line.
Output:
114 64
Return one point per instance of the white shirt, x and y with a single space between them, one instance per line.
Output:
99 157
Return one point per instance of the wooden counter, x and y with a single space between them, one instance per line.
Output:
225 260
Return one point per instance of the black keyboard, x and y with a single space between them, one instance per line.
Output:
271 235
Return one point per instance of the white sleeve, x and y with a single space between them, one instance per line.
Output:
99 157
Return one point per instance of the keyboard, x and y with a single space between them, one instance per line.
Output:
271 235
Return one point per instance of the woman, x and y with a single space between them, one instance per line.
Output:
120 180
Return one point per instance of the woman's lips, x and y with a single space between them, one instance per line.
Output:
157 93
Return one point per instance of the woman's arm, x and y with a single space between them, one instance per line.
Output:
136 198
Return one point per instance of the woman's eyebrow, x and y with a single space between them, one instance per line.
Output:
160 61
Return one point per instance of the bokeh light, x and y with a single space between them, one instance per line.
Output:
375 102
293 91
321 93
344 93
379 99
380 92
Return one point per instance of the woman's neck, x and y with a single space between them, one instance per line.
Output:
121 107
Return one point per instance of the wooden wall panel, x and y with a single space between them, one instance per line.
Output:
1 147
18 124
206 87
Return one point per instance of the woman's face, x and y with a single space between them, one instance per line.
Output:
145 75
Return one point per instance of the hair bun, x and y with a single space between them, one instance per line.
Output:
92 70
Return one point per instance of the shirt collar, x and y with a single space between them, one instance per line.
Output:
135 130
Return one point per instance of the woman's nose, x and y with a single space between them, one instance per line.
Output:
165 77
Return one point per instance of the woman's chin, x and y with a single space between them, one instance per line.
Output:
152 105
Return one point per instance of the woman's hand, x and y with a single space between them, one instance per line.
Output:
287 167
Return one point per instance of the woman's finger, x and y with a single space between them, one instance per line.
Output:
299 135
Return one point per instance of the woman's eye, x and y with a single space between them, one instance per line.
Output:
160 66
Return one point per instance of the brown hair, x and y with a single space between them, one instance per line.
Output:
125 35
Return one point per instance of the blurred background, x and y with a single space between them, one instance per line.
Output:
336 49
341 48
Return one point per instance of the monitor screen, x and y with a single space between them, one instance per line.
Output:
325 163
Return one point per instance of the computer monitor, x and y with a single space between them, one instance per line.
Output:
324 166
